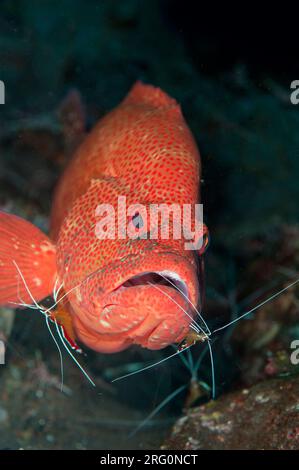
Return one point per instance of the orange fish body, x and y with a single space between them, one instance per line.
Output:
120 290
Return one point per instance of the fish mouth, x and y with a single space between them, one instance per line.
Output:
149 309
150 304
157 279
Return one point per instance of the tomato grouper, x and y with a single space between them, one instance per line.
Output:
116 291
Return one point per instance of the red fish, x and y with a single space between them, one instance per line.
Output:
119 291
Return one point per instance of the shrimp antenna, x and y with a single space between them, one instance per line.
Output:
212 371
45 313
72 356
157 409
36 306
193 369
257 306
59 350
199 328
187 298
56 291
26 286
151 365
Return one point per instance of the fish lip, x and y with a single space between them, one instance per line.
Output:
163 277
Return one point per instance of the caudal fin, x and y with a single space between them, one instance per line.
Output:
27 261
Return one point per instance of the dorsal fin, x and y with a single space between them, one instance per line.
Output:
141 93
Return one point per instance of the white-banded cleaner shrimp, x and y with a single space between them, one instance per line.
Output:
46 312
193 338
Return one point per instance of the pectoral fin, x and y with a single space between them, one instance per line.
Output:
27 262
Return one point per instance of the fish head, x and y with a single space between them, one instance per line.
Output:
132 290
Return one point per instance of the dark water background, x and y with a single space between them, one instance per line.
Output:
232 77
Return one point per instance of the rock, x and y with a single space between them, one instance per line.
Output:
263 417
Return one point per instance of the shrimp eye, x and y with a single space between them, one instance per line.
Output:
137 220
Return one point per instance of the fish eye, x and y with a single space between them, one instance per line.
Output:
137 220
